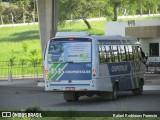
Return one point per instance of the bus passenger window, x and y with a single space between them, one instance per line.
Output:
119 53
122 53
115 53
99 50
130 52
111 53
103 57
102 54
139 52
136 56
108 54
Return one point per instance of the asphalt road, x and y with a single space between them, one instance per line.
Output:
22 96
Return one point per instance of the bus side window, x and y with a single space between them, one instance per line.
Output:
111 53
102 54
115 53
118 53
129 53
108 54
136 56
122 53
99 51
126 52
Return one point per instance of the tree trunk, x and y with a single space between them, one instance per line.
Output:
116 4
12 18
115 13
141 11
149 12
1 20
24 18
87 23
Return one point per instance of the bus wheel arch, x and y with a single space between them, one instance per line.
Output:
115 88
142 81
139 90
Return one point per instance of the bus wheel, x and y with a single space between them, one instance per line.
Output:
114 92
139 90
71 96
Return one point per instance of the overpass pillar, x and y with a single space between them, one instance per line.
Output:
47 14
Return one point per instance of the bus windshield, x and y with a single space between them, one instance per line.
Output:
69 52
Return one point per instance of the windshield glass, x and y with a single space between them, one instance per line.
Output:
69 52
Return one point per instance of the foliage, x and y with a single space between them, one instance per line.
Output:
22 11
82 9
19 11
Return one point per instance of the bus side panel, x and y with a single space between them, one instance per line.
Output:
120 72
104 83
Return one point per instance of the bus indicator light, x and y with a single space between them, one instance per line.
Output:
94 70
94 75
46 71
46 75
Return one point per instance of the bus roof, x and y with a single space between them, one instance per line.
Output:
117 40
106 39
72 34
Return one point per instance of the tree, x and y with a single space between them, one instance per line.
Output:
129 7
78 9
116 4
152 6
2 9
24 7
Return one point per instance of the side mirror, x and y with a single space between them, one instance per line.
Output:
146 56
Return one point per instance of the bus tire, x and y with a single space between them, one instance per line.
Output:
139 90
71 96
114 92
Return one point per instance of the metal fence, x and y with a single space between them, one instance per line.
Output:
153 65
22 69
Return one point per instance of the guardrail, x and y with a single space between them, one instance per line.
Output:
22 69
153 67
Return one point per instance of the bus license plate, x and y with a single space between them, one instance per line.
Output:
70 88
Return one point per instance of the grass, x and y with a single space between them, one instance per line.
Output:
19 44
140 18
14 40
23 43
97 27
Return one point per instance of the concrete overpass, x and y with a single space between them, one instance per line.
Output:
47 11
